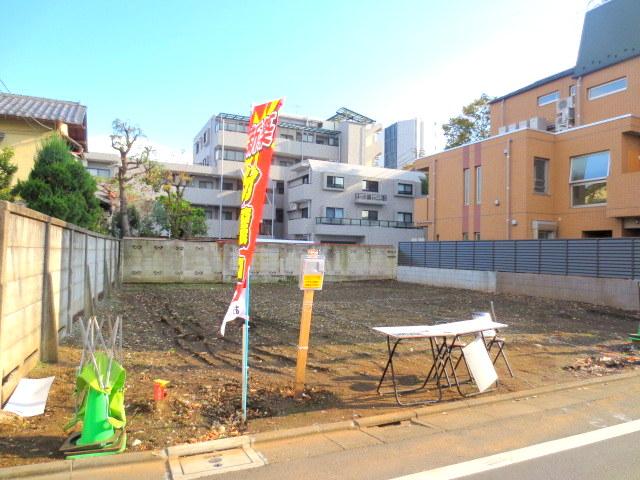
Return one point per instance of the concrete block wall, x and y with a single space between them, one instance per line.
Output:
166 261
43 270
612 292
442 277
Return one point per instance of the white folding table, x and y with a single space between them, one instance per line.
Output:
442 340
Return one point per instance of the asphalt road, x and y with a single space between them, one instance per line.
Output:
614 459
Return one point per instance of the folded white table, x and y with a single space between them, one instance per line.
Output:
443 338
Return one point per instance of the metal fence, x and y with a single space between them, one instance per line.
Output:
603 257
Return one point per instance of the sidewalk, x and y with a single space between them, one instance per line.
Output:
384 446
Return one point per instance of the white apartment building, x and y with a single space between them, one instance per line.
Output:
360 204
346 137
403 142
342 203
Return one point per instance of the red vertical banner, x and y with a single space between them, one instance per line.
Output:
255 178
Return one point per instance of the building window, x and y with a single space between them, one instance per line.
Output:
476 236
99 172
280 188
279 215
546 235
588 179
335 182
405 217
208 184
233 155
265 227
208 213
304 212
540 175
333 141
322 139
286 136
548 98
467 185
405 189
465 236
478 185
369 186
227 214
205 137
228 186
607 88
334 212
304 137
197 147
369 215
572 91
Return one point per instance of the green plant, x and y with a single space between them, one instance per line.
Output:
472 125
60 186
181 219
7 170
133 218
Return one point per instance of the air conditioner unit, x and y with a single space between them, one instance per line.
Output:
292 206
565 114
523 124
512 127
502 130
538 123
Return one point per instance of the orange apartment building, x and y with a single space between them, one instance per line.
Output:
563 158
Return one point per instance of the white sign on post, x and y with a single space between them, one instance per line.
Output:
480 364
311 271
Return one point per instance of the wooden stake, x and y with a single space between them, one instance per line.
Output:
303 341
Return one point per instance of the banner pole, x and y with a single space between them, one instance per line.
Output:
245 349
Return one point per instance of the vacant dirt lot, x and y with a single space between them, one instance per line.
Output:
170 333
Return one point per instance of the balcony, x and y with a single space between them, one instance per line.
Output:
363 222
207 196
371 198
299 193
307 150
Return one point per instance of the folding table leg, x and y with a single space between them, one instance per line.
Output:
391 351
501 352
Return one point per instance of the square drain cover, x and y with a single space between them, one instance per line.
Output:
195 466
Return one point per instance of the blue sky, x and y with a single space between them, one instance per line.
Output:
169 65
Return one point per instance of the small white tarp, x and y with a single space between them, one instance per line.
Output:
30 397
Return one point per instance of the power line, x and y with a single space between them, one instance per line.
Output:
5 86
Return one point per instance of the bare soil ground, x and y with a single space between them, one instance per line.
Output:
170 333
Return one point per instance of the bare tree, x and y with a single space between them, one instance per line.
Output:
123 138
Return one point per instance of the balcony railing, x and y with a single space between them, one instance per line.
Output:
372 197
363 222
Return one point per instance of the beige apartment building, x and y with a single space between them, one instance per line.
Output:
563 158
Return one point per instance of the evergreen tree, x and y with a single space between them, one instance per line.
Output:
7 170
60 186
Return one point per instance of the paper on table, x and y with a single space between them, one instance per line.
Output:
480 365
30 397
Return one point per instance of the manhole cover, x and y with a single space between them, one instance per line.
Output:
194 466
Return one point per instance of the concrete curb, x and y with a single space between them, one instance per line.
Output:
66 466
36 469
274 435
79 464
